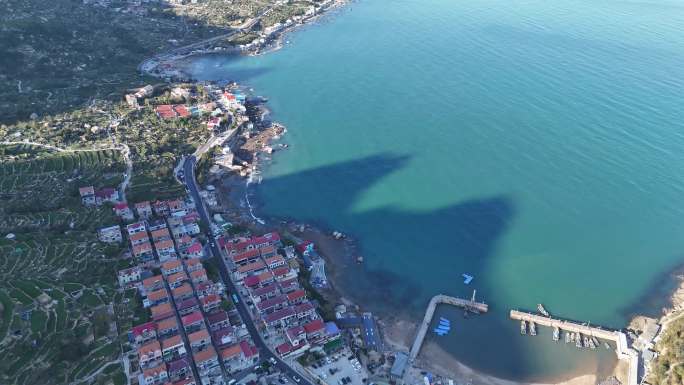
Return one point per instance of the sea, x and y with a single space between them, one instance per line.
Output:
535 145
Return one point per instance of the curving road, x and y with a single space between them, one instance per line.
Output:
265 352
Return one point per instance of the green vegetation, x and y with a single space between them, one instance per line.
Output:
668 368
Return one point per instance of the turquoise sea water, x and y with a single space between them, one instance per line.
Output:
538 145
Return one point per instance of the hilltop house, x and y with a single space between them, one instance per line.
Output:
127 276
87 195
106 194
143 209
122 211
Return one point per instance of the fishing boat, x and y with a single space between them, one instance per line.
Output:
567 337
572 337
556 334
586 342
533 329
523 327
592 345
596 341
578 340
543 311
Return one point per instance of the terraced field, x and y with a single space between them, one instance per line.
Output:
57 281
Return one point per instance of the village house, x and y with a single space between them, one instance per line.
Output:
138 238
179 369
167 326
193 322
315 330
87 195
280 318
305 310
177 279
252 282
193 264
173 348
272 304
218 320
156 225
233 359
156 375
159 312
265 292
267 252
275 261
182 292
198 276
184 241
296 297
165 249
111 234
153 283
199 340
205 288
143 209
187 306
289 285
206 360
223 337
143 252
194 250
177 207
137 227
249 269
143 333
160 234
296 336
149 354
210 302
157 297
160 208
122 211
105 195
284 273
171 267
266 278
245 258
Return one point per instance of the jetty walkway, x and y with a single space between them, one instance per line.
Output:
441 299
623 351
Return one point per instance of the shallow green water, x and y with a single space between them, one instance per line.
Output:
537 145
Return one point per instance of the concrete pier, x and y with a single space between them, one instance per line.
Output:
623 351
441 299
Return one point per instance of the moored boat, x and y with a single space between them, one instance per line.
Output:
542 310
523 327
556 334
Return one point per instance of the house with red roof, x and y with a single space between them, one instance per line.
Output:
137 227
122 211
265 292
266 277
193 322
314 330
171 267
173 348
206 361
165 249
280 318
153 283
87 194
296 335
194 250
246 257
193 264
160 208
199 340
275 261
249 352
249 269
199 276
251 281
106 194
159 312
272 304
157 297
156 375
210 302
305 310
143 333
284 273
177 279
138 238
218 320
179 369
167 326
149 354
289 285
268 239
233 359
182 292
223 337
143 252
296 297
187 306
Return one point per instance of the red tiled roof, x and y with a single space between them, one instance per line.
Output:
230 351
278 315
120 206
272 302
138 236
246 255
252 280
295 295
205 354
198 335
170 265
191 318
143 328
247 349
252 267
172 342
314 326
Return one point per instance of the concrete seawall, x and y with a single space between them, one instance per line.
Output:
441 299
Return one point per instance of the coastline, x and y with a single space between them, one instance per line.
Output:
339 253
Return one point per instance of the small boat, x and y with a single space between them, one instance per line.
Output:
578 340
523 327
592 345
556 334
586 342
543 311
595 341
533 329
567 337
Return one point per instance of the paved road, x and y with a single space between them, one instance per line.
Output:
264 352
